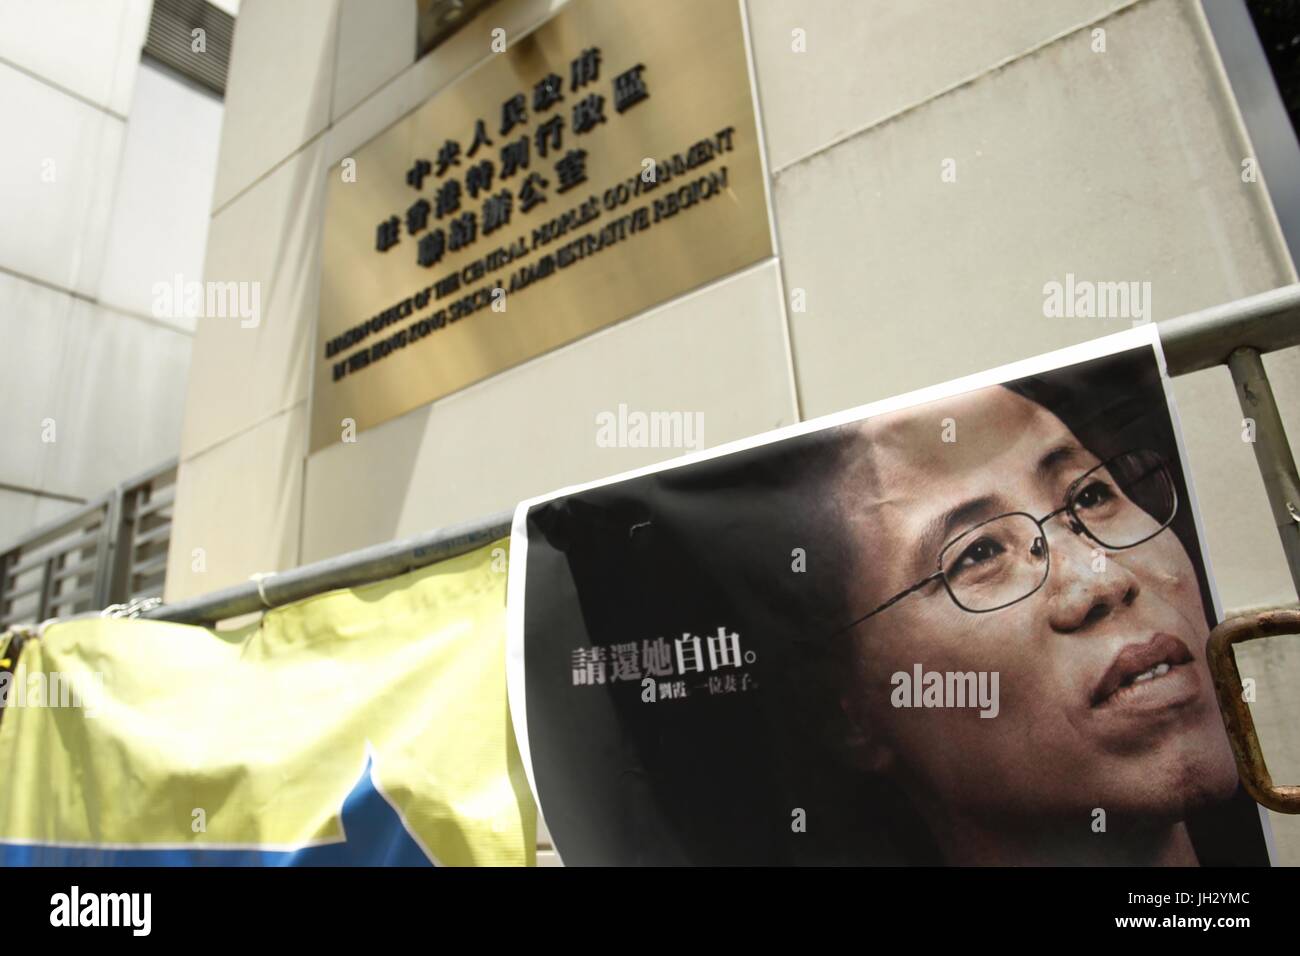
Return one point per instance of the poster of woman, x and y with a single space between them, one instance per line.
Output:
966 626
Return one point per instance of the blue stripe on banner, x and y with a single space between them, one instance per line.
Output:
374 834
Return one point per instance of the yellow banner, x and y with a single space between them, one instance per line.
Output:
364 726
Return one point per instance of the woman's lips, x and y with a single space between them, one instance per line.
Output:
1153 671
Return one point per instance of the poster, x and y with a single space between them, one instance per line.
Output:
965 626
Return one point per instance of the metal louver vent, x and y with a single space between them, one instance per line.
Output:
172 39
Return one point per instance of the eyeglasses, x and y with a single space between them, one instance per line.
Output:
1118 504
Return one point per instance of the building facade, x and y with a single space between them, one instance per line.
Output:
930 167
104 187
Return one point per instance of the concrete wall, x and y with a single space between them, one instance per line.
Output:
105 181
1115 165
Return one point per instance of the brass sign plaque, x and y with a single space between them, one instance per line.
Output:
605 163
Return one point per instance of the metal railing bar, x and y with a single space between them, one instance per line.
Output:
53 530
16 595
143 569
71 597
145 538
33 559
349 570
1265 322
155 504
84 569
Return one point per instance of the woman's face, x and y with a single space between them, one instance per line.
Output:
1073 731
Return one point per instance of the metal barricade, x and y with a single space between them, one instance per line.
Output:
110 550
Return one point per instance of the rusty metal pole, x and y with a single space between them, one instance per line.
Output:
1233 702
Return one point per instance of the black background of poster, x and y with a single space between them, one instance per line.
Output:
714 779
